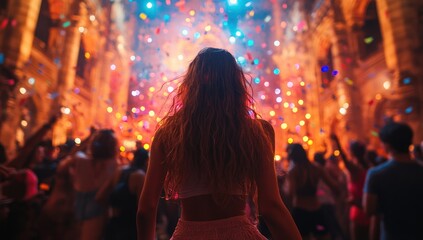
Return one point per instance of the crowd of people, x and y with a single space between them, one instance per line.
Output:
211 175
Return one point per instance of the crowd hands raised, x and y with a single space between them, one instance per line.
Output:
74 191
86 192
371 197
90 192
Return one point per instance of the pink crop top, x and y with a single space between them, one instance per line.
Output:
194 187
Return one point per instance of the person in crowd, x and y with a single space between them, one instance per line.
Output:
357 169
327 199
371 157
46 169
3 155
17 216
125 189
418 153
57 217
25 156
91 173
394 190
341 199
212 153
302 182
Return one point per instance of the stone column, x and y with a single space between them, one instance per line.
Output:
18 45
348 97
69 57
403 41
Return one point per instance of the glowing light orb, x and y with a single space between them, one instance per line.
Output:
31 81
387 85
232 39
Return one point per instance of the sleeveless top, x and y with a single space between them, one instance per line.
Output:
122 198
309 188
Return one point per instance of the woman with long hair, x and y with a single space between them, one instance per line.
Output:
212 152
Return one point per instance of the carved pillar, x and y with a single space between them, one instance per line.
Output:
403 50
348 97
18 44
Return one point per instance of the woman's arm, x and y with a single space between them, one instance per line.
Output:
147 205
271 206
20 161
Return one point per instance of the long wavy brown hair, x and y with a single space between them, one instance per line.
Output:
209 130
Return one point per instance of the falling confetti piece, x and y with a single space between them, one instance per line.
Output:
368 40
325 68
66 24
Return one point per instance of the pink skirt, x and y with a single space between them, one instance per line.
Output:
239 227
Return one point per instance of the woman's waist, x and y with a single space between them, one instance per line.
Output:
208 208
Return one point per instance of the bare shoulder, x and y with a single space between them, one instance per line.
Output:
267 127
159 136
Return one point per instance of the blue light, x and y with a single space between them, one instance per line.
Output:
325 68
256 80
149 5
238 33
166 18
233 2
407 80
241 60
250 43
276 71
197 35
256 61
409 110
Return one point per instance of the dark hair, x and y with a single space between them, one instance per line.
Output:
104 144
397 135
3 155
358 149
371 157
140 159
417 150
319 157
297 154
